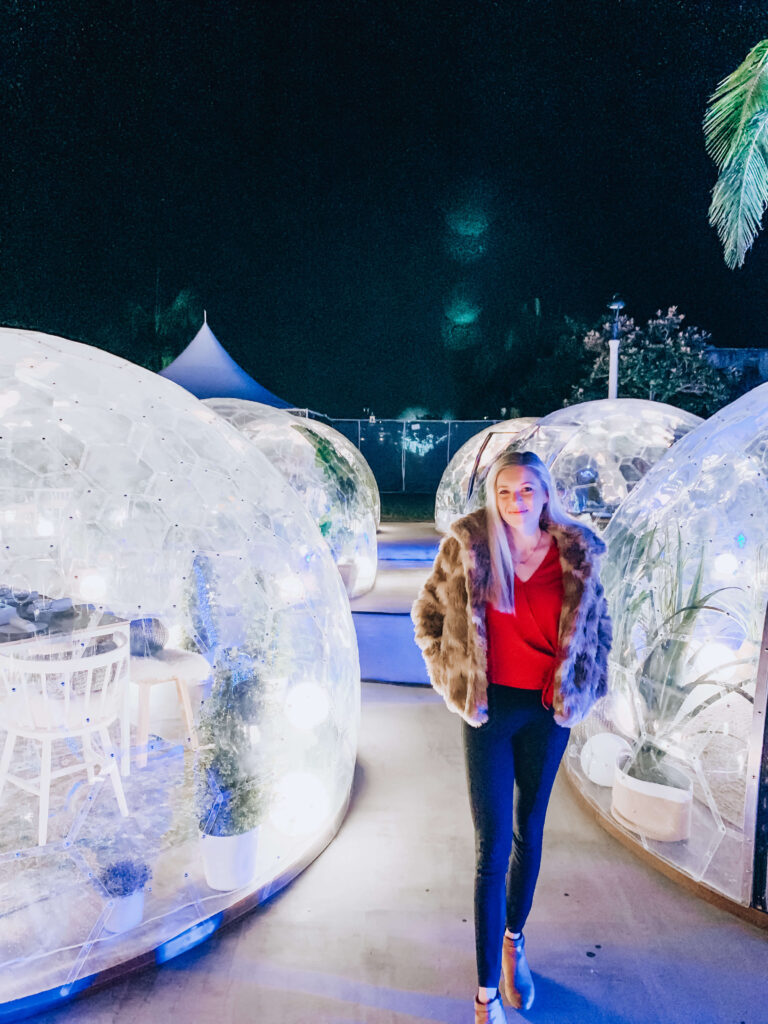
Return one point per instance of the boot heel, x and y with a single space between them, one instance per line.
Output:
516 985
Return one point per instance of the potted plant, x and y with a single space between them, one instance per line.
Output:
124 881
229 790
656 639
652 796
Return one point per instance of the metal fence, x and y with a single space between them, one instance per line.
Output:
409 456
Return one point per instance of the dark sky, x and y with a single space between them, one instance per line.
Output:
293 163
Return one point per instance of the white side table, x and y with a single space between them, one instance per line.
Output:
184 668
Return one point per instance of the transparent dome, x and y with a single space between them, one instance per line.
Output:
686 577
351 454
149 552
598 451
451 497
325 470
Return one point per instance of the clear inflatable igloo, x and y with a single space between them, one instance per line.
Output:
325 470
598 451
680 734
149 552
451 497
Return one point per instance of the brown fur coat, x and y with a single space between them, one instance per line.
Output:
449 616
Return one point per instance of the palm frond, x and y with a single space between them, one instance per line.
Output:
734 102
740 195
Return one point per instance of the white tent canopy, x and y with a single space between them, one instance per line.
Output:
207 370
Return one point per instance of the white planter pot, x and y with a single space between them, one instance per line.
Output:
229 862
126 912
348 573
654 810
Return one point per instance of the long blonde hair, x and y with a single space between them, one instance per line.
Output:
502 590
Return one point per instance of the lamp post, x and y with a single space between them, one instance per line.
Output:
616 304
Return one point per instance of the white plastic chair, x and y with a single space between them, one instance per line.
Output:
54 688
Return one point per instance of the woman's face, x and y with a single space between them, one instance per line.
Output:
520 498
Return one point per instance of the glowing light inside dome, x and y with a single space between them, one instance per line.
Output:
307 706
44 527
300 804
93 586
726 564
291 588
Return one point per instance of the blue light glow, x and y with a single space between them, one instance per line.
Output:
188 939
20 1009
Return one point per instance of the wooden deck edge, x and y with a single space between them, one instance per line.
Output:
704 892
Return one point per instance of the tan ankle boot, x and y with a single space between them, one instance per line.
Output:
516 985
490 1013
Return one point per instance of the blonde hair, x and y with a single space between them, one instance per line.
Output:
502 590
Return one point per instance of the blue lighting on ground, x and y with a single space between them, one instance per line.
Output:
188 939
29 1006
20 1009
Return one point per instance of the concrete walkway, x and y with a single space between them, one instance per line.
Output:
379 929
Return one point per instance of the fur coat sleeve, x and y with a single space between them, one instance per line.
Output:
449 620
442 617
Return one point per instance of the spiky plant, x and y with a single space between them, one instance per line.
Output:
736 137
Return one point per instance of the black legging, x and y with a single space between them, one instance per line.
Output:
511 764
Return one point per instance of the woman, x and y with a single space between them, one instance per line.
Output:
515 632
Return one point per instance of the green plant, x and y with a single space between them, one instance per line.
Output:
662 361
123 877
736 137
230 786
646 574
341 488
648 765
334 467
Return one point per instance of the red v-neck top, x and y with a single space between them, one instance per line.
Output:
522 645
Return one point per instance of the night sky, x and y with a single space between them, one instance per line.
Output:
293 164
